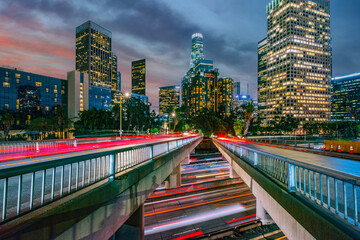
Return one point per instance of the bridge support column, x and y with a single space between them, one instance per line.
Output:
262 214
232 173
186 160
175 177
133 228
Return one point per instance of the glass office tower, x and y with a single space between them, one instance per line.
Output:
197 49
168 97
345 97
262 80
93 53
299 60
138 70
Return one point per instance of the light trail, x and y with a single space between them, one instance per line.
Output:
198 218
197 204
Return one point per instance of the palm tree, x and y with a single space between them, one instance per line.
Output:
7 120
248 114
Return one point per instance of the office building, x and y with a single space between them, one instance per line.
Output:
345 97
138 76
298 60
169 97
118 81
197 48
94 56
30 94
262 80
78 93
224 95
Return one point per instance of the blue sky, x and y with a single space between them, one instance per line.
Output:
39 36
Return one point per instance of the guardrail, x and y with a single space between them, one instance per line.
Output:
290 142
34 146
25 188
337 192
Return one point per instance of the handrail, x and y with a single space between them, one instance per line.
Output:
335 191
28 187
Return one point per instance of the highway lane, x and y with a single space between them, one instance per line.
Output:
202 204
336 164
89 148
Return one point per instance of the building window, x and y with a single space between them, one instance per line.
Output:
38 84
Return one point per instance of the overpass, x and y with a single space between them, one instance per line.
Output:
87 192
308 196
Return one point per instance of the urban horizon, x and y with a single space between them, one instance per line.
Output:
56 59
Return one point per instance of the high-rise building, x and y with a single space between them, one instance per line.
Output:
298 60
345 97
169 97
138 71
262 80
224 95
93 54
114 72
197 49
118 80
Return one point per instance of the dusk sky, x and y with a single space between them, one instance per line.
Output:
39 36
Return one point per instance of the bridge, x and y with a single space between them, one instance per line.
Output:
88 191
93 189
309 196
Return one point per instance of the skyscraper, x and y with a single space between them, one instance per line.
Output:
169 97
197 49
224 95
138 71
262 80
114 74
298 60
119 80
94 56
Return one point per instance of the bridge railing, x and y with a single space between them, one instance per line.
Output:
25 188
7 148
337 192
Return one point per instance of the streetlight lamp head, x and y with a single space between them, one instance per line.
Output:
173 114
127 94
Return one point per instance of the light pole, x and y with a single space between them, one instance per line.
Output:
173 116
121 102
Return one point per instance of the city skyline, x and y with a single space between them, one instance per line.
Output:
49 46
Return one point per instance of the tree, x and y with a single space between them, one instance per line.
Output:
7 120
248 114
208 123
238 127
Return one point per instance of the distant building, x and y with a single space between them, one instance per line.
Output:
197 48
118 81
298 61
225 96
78 93
138 76
345 97
201 87
168 97
240 100
30 94
94 56
100 98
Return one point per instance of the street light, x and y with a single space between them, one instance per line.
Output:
121 101
173 115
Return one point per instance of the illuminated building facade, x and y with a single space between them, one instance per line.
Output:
138 70
197 48
78 93
224 94
94 56
30 93
201 87
118 81
168 97
345 97
262 78
298 61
